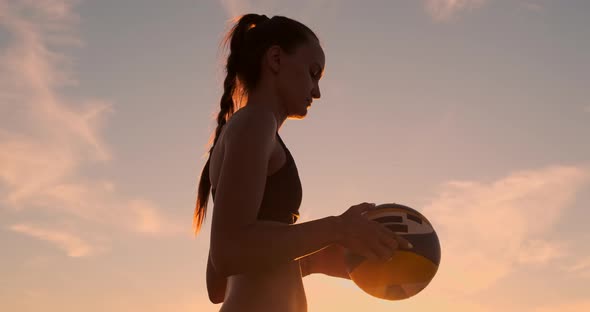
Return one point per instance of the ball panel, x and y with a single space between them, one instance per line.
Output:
401 216
397 228
394 292
403 268
412 289
388 219
401 208
426 245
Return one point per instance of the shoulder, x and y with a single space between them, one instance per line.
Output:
251 129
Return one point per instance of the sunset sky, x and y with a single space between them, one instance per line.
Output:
474 112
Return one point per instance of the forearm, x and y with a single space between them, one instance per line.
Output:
330 261
308 265
264 244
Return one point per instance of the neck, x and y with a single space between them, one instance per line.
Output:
267 101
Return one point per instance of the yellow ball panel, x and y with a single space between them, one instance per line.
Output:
404 269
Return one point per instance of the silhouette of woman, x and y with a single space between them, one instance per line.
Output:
257 254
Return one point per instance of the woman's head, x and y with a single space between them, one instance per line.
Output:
295 77
277 58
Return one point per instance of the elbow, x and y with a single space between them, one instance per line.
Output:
215 298
216 283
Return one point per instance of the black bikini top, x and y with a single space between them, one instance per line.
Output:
282 193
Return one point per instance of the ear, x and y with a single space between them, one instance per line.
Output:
273 58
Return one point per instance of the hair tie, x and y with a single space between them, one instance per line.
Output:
261 19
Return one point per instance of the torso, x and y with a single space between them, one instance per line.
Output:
278 289
277 158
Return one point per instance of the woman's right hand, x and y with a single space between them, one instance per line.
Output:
366 237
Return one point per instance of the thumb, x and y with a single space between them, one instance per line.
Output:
368 207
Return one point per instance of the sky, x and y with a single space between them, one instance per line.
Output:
474 112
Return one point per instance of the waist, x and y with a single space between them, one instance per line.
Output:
277 289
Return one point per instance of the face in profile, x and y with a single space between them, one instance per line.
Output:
298 80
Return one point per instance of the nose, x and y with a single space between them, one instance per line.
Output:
315 93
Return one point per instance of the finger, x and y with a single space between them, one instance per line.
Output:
358 247
390 242
383 244
383 229
403 242
400 241
366 207
382 251
367 252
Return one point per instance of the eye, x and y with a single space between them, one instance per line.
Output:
315 75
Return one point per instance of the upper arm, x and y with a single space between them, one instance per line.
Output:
242 178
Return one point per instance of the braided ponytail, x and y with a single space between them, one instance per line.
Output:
248 40
227 106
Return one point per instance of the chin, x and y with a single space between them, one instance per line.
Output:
304 112
299 114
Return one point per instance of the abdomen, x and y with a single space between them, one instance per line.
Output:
277 289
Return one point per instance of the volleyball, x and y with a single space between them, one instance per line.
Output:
409 271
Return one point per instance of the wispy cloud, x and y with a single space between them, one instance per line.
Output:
581 267
533 6
487 229
74 246
443 10
575 306
537 251
46 138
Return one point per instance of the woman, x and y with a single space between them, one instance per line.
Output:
257 255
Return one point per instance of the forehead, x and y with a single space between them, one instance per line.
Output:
312 52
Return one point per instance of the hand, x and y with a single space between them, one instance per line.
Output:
366 237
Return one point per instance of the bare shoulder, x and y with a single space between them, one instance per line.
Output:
251 126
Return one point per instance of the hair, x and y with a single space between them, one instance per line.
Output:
248 39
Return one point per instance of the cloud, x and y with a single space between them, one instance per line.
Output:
70 243
488 229
576 306
443 10
149 219
44 136
533 6
581 267
536 251
99 202
47 138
